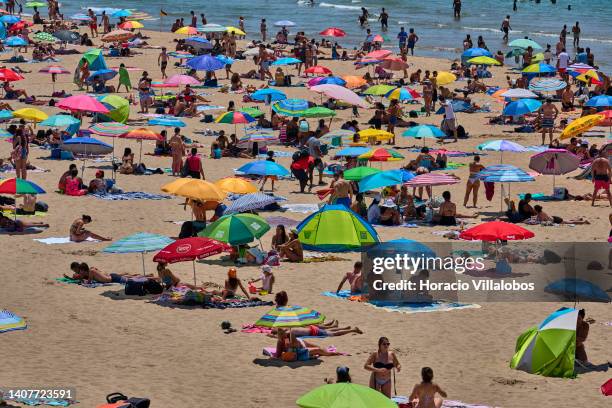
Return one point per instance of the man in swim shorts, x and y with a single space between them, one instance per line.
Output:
601 172
547 114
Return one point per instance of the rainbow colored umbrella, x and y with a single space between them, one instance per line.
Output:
382 154
19 186
539 68
141 134
290 316
234 117
402 94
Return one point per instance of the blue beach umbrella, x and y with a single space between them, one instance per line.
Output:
205 63
476 52
331 80
103 74
169 121
292 105
504 173
286 61
9 19
577 289
424 131
407 175
59 121
409 246
15 42
6 114
600 101
284 23
263 168
268 95
139 243
225 60
352 151
86 146
382 179
522 107
4 133
121 13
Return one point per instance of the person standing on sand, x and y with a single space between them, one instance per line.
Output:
450 120
342 192
162 61
177 148
473 183
547 114
412 40
424 394
381 363
505 27
263 29
124 78
601 172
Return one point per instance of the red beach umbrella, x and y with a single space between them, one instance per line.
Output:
332 32
319 70
8 75
496 231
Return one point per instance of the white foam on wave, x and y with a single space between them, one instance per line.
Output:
355 1
402 22
339 6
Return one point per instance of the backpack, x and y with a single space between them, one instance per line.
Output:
138 287
118 400
461 134
324 149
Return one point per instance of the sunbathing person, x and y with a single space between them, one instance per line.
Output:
288 341
292 250
447 214
13 225
541 216
78 233
232 283
316 330
168 279
424 394
84 272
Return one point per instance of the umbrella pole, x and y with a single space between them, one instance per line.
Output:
144 272
194 273
140 155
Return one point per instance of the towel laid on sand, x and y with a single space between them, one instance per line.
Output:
61 240
277 153
48 402
83 283
10 322
410 308
131 195
540 197
301 208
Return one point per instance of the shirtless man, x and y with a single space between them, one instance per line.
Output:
600 170
567 99
505 27
473 183
355 279
547 115
342 191
162 61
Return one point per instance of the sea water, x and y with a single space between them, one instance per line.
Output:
440 34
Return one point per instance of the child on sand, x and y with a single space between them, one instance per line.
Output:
267 279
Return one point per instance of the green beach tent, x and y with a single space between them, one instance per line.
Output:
118 106
549 349
335 228
341 395
95 59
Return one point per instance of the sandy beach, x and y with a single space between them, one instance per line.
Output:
99 341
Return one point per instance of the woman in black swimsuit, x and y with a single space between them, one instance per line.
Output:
380 364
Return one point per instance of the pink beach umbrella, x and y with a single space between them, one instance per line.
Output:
340 93
54 70
432 179
394 64
181 80
82 103
378 54
555 162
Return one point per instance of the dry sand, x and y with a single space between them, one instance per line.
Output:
100 342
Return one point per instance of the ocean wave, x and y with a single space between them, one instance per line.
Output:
493 30
402 22
339 6
355 1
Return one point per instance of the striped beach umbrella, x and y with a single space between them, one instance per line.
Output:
261 138
290 316
251 202
237 229
254 112
555 162
432 179
289 107
547 85
504 173
501 146
19 186
382 154
139 243
109 129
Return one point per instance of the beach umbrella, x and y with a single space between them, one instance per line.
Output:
379 90
9 19
518 93
358 173
548 349
483 60
67 36
581 125
394 64
235 118
86 146
354 81
445 78
234 30
4 134
167 122
237 229
236 185
578 289
32 114
290 316
59 121
290 106
547 85
268 95
335 228
131 25
205 63
332 32
187 30
109 129
555 162
8 75
82 103
588 76
326 80
6 114
54 69
138 243
599 101
424 132
15 42
118 106
524 43
501 146
103 74
121 13
377 134
286 61
378 54
340 93
579 67
432 179
503 173
195 189
45 37
19 186
496 231
284 23
251 202
179 79
198 42
181 54
253 112
190 249
141 134
318 70
402 94
352 151
476 52
342 395
522 107
212 28
117 35
539 68
381 179
263 168
317 112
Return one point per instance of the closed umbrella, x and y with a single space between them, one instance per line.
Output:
555 162
139 243
237 229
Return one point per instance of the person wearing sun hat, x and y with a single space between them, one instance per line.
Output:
389 214
292 250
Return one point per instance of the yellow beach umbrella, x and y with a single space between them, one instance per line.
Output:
581 125
195 189
235 30
187 30
445 78
354 81
32 114
587 76
483 60
237 185
378 134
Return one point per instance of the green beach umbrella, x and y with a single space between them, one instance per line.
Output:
344 395
290 316
45 37
379 90
139 243
118 106
237 229
550 348
253 112
317 112
357 173
32 4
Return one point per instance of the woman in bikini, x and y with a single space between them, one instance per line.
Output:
380 364
424 394
84 272
473 183
169 279
288 341
78 233
12 225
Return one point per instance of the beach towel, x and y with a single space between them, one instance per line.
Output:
489 190
48 402
451 166
322 194
540 197
410 308
130 195
343 294
61 240
301 208
275 220
84 284
203 108
10 322
277 153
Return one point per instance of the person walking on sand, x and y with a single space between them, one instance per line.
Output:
505 27
124 78
177 148
424 394
547 114
381 363
601 172
473 182
412 40
162 61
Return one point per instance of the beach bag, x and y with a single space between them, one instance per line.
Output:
324 149
302 354
461 134
134 287
118 400
288 356
41 206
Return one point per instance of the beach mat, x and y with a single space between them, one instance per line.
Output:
410 308
301 208
61 240
11 322
460 404
83 283
131 195
540 197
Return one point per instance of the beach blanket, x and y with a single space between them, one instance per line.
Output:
275 220
49 402
277 153
61 240
271 351
203 108
301 208
26 231
83 283
410 308
10 322
451 166
11 214
539 197
182 295
131 195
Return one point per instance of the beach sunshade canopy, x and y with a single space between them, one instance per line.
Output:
504 173
237 229
251 202
117 35
86 146
268 94
432 179
518 93
445 78
476 52
236 185
187 30
263 168
524 43
379 90
382 154
205 63
378 134
179 79
402 94
341 395
358 173
118 108
554 161
600 101
138 243
8 75
340 93
194 189
19 186
59 121
333 32
501 146
354 81
547 85
82 103
581 125
381 179
578 289
286 61
190 249
33 114
522 107
318 70
548 349
234 117
483 60
335 228
496 231
109 129
540 68
290 316
424 131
